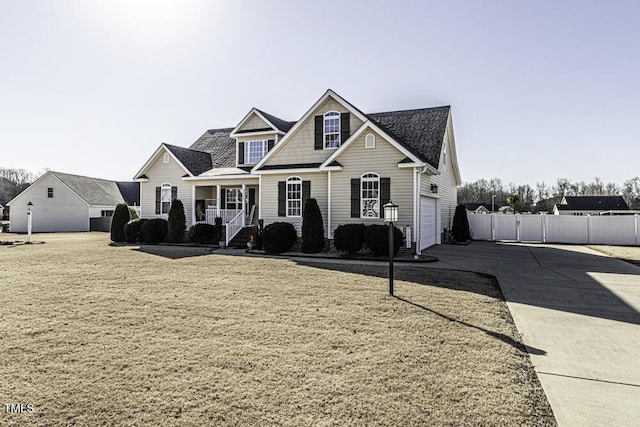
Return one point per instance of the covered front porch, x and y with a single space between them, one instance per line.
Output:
236 203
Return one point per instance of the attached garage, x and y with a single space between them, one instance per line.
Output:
428 222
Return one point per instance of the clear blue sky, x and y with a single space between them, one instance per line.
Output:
539 89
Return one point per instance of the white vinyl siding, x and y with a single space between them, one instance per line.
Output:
253 122
64 212
158 174
269 211
446 182
300 148
357 161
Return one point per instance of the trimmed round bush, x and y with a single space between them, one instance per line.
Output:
278 237
153 230
203 233
349 237
177 222
460 227
119 219
133 230
376 237
312 228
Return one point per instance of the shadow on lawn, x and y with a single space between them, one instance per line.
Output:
173 252
440 278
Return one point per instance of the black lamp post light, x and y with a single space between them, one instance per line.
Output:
390 216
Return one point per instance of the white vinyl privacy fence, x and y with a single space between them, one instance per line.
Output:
604 230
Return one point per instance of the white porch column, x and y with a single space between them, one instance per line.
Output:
193 205
244 204
329 205
218 196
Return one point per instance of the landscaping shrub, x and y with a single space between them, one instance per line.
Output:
312 228
460 227
177 222
154 230
376 237
118 220
349 237
278 237
218 229
259 234
203 233
133 213
133 230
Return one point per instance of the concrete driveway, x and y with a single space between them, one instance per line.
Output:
579 315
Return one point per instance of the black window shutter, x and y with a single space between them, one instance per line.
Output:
385 193
345 118
319 132
306 193
157 200
223 198
355 198
282 198
270 144
241 153
174 193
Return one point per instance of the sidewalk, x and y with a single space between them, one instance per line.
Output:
578 313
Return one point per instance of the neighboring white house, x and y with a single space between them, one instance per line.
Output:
1 211
65 202
352 163
589 205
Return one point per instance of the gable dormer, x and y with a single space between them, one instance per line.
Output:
255 135
317 135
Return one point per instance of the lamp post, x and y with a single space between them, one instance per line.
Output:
493 202
390 216
29 221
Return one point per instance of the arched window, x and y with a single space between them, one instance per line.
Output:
294 196
165 158
370 195
165 198
332 129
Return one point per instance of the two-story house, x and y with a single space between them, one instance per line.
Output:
352 163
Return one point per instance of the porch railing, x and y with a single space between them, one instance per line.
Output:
234 226
226 215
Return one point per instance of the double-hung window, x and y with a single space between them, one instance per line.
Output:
332 129
254 151
370 195
294 196
165 198
234 198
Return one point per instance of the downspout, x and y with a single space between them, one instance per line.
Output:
329 205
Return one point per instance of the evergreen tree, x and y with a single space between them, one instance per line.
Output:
460 228
312 228
120 218
177 222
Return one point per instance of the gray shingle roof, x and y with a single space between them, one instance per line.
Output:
194 160
420 131
606 203
221 148
283 125
94 191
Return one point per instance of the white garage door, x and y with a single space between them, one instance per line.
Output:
428 222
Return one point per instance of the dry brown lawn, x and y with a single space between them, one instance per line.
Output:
99 335
627 253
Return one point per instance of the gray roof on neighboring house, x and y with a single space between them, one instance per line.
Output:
282 125
420 131
221 148
596 203
94 191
